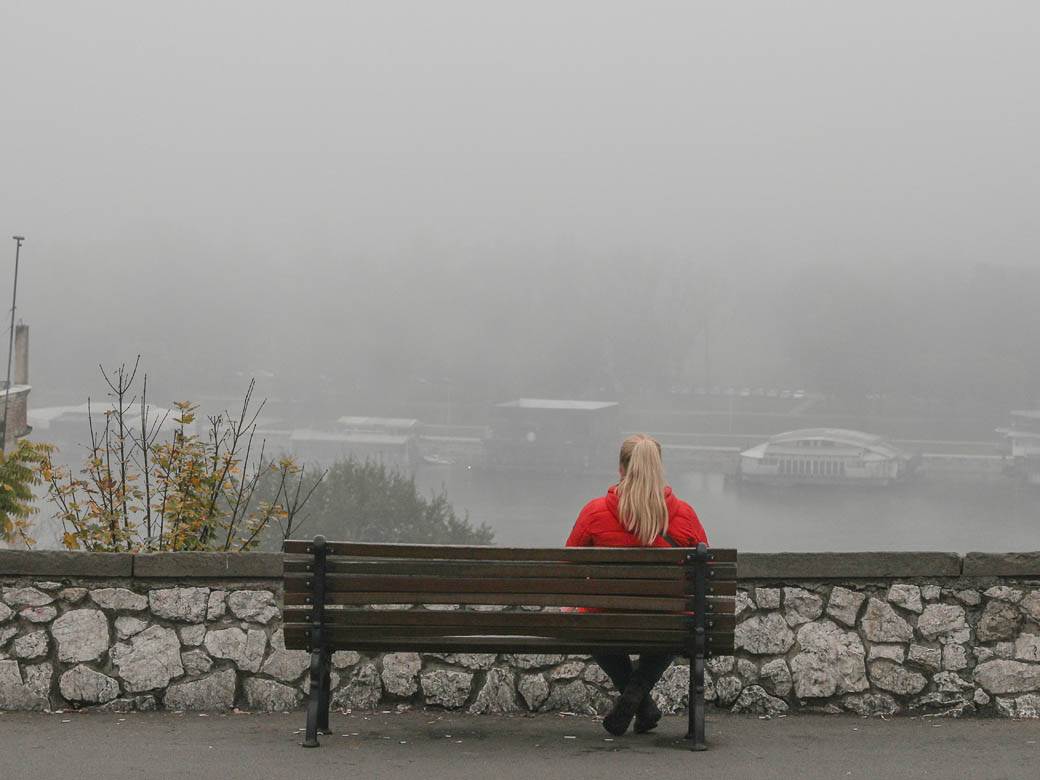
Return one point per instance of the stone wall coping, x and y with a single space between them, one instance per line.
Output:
60 563
1014 564
750 566
211 565
849 565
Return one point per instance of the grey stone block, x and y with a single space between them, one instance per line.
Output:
183 565
58 563
1014 564
812 566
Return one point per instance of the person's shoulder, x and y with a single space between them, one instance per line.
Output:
679 508
684 523
686 510
595 506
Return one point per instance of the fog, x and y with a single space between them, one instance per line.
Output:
420 209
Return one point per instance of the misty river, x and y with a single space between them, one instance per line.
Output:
532 509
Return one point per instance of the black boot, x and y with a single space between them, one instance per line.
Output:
647 716
634 686
620 717
649 671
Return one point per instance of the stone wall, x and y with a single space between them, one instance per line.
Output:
895 633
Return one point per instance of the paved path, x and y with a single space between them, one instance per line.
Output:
440 746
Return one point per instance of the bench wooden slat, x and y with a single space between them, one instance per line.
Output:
511 618
298 637
722 572
460 621
417 615
350 583
661 585
722 606
722 588
561 570
634 603
488 553
361 633
720 602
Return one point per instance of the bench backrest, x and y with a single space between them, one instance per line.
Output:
371 597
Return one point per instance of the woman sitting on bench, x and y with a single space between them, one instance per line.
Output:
639 511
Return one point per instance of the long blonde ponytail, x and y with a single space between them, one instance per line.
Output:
640 491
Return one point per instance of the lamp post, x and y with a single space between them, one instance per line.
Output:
10 344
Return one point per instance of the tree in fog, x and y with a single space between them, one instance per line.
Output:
141 490
365 501
20 471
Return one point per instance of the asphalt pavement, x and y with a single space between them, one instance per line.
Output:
435 745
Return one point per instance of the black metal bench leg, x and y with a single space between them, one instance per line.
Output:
696 706
318 698
323 703
314 700
699 563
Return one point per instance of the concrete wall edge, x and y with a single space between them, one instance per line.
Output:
750 565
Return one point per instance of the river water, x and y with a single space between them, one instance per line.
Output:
959 515
528 509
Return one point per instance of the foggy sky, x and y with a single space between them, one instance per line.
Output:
225 177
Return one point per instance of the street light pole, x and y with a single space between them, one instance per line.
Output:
10 344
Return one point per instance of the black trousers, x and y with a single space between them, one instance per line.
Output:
646 672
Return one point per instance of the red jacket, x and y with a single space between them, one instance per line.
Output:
598 524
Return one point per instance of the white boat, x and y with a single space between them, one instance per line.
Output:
825 456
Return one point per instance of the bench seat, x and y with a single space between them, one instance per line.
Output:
385 597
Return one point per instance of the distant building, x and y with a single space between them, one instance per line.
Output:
1024 439
401 426
392 441
548 434
826 455
16 397
68 427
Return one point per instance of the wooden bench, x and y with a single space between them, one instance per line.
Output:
661 600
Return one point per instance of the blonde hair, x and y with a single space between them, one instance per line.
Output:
641 505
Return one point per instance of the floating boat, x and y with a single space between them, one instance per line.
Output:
826 456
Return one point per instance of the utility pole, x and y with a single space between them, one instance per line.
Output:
10 344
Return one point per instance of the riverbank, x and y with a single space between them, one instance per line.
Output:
720 452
